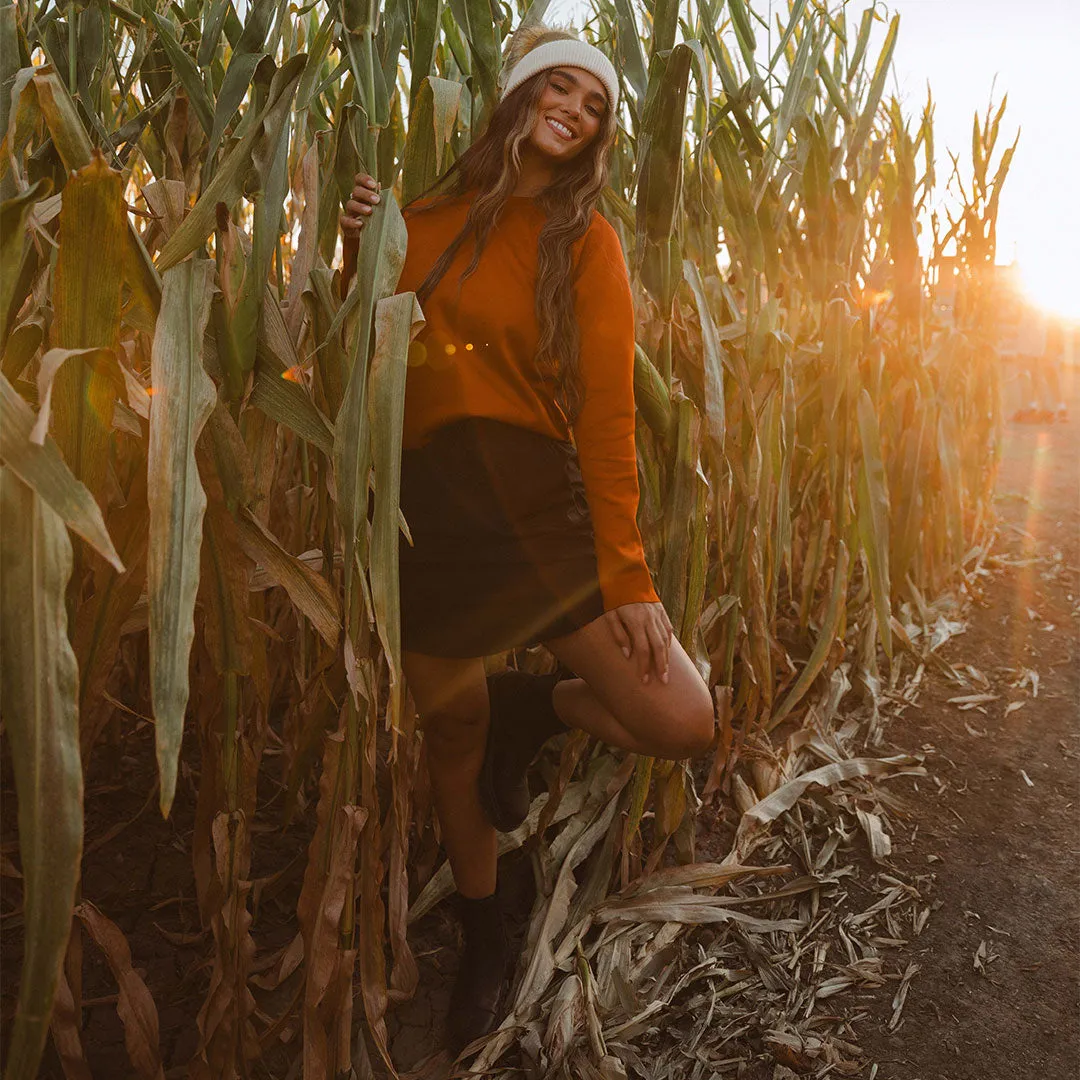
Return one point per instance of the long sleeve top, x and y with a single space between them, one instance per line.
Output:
474 357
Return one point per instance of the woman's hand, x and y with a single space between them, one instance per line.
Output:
643 632
365 195
358 208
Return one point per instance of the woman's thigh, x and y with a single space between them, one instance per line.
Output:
678 713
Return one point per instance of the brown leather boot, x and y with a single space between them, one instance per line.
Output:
477 998
523 718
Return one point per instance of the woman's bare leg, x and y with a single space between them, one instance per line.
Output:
452 700
669 720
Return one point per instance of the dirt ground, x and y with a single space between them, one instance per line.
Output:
997 996
994 824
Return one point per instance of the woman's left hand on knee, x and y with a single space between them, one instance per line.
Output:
643 631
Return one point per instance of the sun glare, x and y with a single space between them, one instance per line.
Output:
1054 286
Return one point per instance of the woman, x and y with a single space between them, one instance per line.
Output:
520 535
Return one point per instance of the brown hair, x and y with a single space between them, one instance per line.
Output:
492 166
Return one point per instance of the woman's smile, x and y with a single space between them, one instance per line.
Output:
564 131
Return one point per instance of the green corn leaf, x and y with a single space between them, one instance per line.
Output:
798 88
832 88
483 40
697 577
425 39
214 14
660 178
651 393
873 97
629 50
794 20
179 408
358 21
862 41
665 22
712 360
398 319
44 470
39 702
331 362
277 389
318 51
245 57
744 32
190 77
243 289
431 123
737 193
259 142
535 12
388 43
682 498
381 257
453 38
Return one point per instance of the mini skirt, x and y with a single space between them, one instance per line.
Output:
503 552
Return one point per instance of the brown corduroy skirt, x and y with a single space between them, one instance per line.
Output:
503 551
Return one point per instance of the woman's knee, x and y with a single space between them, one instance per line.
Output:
458 729
681 725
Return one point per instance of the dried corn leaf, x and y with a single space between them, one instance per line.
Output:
134 1003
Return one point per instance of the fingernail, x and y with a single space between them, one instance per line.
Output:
366 209
375 198
644 678
626 652
664 677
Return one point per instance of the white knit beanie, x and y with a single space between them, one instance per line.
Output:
565 52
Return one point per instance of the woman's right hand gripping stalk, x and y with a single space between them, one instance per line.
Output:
358 207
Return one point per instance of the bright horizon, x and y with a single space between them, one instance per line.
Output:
965 49
961 47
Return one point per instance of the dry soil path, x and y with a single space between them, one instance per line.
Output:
997 996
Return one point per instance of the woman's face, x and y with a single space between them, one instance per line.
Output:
569 114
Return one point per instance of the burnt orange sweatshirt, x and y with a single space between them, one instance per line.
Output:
474 358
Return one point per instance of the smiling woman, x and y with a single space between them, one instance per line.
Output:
519 480
572 106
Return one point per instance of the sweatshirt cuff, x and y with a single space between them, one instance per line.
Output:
631 585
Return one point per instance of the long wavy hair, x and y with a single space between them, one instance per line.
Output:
491 166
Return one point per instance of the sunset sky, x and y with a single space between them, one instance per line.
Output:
960 46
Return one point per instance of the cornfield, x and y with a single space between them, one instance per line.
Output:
200 460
